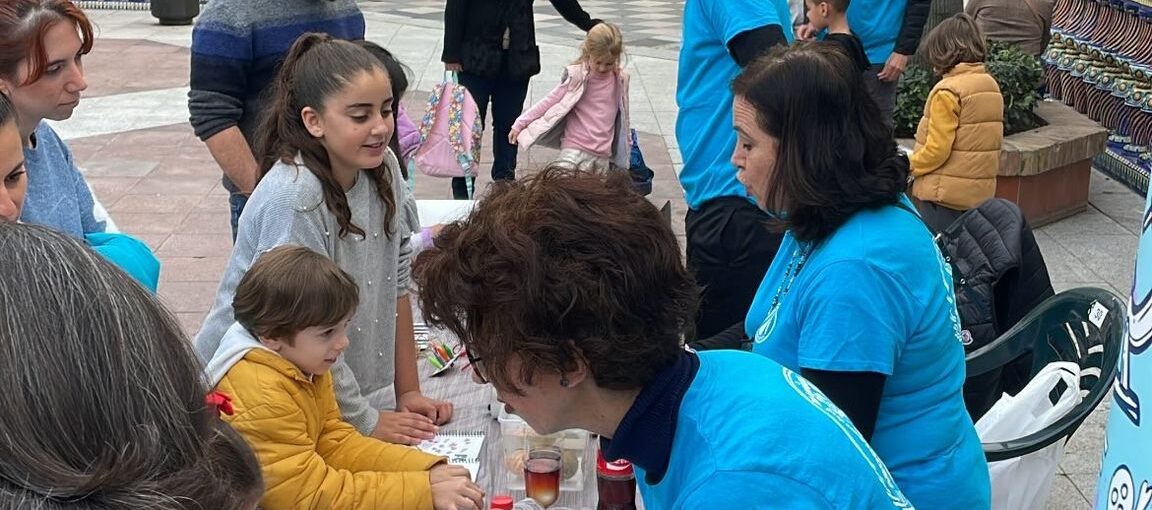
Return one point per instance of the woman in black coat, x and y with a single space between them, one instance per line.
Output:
492 45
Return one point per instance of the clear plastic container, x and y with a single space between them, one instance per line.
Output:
517 437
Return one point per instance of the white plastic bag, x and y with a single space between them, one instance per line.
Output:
1023 483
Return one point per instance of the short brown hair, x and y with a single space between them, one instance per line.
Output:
290 288
955 40
563 266
840 6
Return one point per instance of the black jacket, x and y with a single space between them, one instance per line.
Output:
474 35
1000 276
915 16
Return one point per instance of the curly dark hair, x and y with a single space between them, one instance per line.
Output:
560 268
836 155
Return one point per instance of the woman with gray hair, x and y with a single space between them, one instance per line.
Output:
103 406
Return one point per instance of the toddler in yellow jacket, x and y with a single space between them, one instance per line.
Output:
291 311
957 152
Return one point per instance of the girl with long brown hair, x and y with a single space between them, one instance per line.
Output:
330 183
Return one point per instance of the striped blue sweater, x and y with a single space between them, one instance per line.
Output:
237 49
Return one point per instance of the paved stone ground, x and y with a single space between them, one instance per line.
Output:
131 136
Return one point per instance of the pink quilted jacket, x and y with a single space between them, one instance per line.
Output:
544 123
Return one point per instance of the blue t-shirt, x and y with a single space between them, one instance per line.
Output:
752 434
704 124
876 296
1127 465
877 23
129 254
57 195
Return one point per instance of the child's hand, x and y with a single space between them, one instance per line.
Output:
513 135
444 472
439 411
404 428
456 493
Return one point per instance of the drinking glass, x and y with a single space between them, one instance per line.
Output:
542 474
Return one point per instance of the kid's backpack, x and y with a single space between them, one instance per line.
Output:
449 132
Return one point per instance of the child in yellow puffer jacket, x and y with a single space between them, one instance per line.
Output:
957 152
292 308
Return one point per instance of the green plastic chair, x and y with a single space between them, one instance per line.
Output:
1087 326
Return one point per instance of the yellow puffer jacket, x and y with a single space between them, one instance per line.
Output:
957 152
309 456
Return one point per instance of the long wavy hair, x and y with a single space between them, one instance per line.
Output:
836 155
104 401
318 66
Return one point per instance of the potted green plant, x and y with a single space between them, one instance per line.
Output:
1018 74
1046 158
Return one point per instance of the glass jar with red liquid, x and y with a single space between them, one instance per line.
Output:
615 484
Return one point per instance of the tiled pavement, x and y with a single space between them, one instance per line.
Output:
651 26
131 136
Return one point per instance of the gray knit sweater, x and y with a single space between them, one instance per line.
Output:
287 207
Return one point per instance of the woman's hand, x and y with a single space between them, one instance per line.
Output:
513 135
455 493
453 67
404 428
438 411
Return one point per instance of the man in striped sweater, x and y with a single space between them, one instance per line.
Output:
237 48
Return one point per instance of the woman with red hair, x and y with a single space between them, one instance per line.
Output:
42 44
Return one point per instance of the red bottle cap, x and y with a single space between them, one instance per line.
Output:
502 503
617 468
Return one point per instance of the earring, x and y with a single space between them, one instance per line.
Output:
564 382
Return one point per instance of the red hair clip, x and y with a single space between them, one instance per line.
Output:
221 401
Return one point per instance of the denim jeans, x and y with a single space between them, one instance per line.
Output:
507 99
236 202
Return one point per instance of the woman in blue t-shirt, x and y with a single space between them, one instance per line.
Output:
571 296
859 299
42 72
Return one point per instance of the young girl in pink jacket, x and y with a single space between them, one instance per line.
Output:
586 115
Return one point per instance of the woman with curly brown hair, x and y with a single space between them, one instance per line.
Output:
571 297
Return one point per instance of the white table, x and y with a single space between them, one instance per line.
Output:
433 212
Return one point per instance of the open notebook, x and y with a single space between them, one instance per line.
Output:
462 448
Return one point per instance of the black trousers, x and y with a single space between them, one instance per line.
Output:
936 216
507 99
729 251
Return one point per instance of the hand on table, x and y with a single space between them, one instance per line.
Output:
455 492
444 472
438 411
404 428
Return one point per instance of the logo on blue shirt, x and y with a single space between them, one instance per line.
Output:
813 395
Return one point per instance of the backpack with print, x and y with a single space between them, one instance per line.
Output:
449 132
